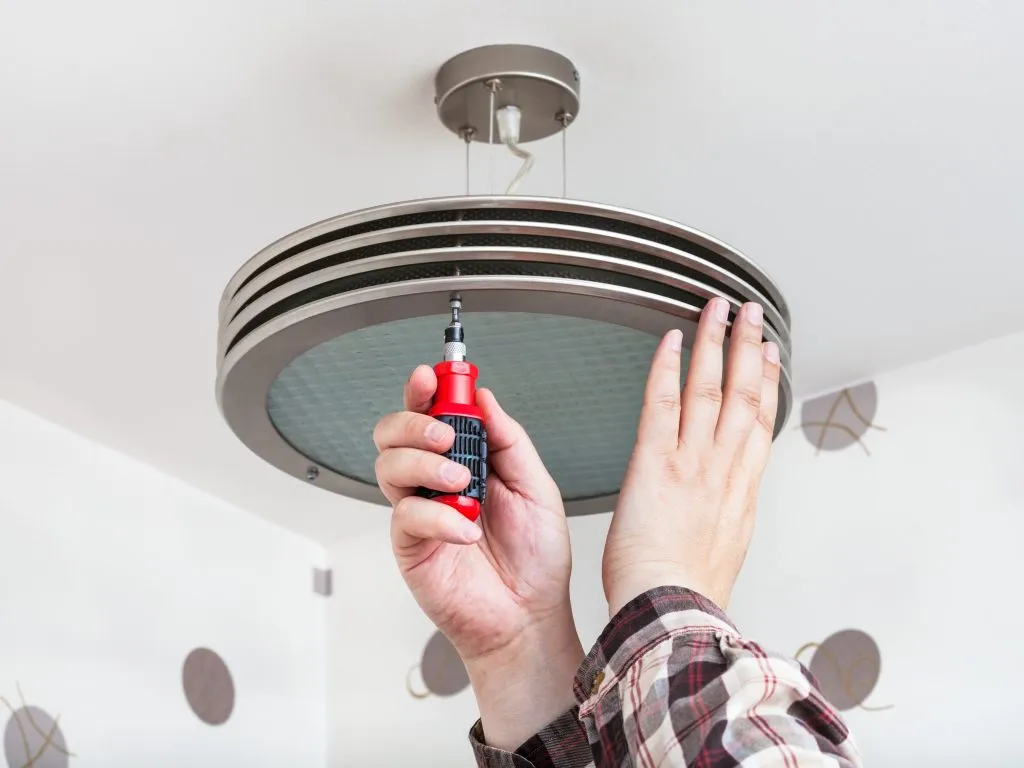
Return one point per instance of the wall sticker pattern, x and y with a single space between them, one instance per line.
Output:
440 669
32 737
208 685
841 419
847 665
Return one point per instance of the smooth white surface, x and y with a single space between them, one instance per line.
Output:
917 545
867 154
110 573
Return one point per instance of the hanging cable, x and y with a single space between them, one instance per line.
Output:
526 167
509 121
565 118
492 86
565 173
467 136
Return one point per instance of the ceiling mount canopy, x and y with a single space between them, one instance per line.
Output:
564 302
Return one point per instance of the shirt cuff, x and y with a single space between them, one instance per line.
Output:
562 743
639 625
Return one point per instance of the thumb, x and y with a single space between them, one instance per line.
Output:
419 389
511 452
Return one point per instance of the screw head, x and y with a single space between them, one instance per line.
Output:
312 473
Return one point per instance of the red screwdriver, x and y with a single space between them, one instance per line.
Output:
455 405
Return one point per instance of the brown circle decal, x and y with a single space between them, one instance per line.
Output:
208 686
837 421
33 738
847 666
441 669
444 674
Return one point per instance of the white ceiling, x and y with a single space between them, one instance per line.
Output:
867 154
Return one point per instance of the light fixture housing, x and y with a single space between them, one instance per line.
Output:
564 302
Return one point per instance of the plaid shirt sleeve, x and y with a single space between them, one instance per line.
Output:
671 682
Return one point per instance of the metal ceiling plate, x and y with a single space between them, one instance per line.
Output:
543 84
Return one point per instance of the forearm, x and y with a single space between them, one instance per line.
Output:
521 689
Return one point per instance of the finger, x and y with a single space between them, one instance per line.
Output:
511 452
659 416
401 470
419 389
741 400
407 429
416 519
760 443
702 395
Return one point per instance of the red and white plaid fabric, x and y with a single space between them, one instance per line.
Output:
671 683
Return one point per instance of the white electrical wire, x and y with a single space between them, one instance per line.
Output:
509 122
524 169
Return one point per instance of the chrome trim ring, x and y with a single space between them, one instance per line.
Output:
531 209
247 371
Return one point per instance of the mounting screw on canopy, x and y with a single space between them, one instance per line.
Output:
312 473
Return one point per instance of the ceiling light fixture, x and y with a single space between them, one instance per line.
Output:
564 303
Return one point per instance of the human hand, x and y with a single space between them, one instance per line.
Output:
686 509
499 591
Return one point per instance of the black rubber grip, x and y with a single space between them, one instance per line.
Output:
469 450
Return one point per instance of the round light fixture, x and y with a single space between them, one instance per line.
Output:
563 304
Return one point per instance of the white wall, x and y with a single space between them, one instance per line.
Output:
917 545
110 573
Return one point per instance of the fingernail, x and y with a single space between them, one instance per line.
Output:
754 314
721 310
436 431
468 531
452 472
675 340
771 352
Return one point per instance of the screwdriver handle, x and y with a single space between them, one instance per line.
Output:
455 405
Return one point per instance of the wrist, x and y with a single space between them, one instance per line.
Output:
625 587
525 685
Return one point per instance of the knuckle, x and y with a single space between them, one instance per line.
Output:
402 511
750 397
707 392
378 432
413 428
380 466
713 476
713 333
675 472
428 464
750 336
666 402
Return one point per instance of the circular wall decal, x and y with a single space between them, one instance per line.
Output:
33 738
442 670
208 686
836 421
847 666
